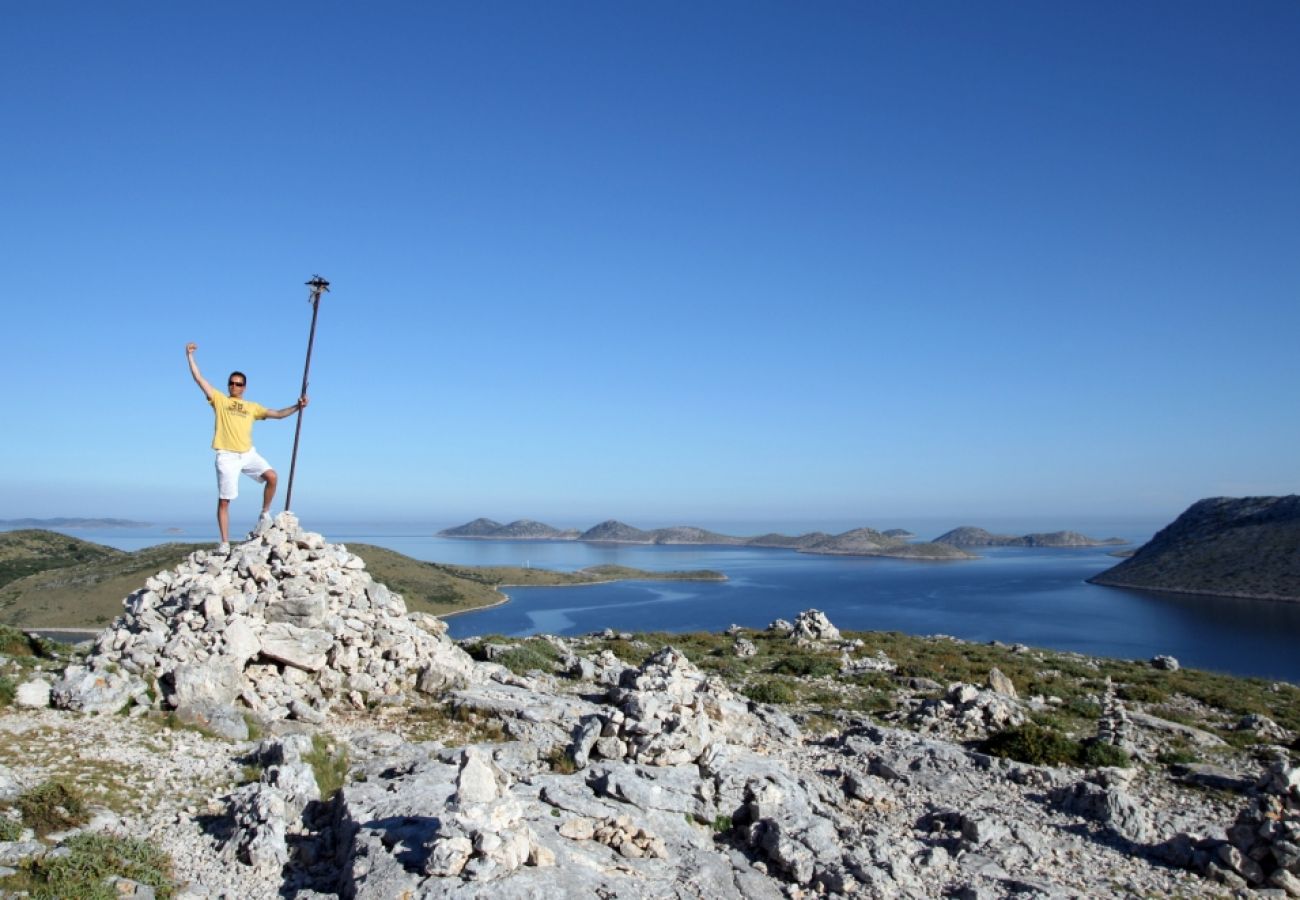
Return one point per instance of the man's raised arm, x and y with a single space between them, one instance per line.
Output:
208 390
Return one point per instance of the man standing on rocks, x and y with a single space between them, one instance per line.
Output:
233 441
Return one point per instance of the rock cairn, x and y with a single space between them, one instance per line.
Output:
482 834
665 713
966 711
812 626
1262 849
1113 726
282 627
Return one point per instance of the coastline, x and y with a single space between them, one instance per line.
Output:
1191 592
505 598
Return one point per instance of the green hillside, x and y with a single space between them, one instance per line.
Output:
63 582
32 550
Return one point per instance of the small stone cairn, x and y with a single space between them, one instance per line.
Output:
665 713
966 711
813 627
482 834
1113 726
282 627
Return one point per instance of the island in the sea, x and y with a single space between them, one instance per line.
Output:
857 542
64 522
1224 546
968 536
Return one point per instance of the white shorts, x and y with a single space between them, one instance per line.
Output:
231 464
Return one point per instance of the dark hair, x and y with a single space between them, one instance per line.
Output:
240 374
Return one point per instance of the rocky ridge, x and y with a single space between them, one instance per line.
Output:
1223 546
968 536
618 779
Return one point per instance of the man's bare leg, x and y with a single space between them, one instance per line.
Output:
223 520
268 492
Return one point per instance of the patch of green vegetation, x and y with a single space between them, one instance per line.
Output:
1040 745
1032 743
82 873
1095 755
723 824
329 763
255 730
85 594
806 665
28 551
9 829
15 642
770 691
451 725
1178 755
52 806
534 653
8 688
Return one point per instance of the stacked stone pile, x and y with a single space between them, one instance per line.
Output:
1113 726
966 711
482 835
667 712
812 627
283 626
865 665
1262 849
265 811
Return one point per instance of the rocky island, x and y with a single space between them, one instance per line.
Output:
1224 546
274 723
857 542
968 536
65 522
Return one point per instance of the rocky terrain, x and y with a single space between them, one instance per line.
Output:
1231 547
274 723
858 542
967 536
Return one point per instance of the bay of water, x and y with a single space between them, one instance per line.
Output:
1015 595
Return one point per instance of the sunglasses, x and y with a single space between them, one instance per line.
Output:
235 383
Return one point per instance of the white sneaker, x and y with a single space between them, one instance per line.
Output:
264 519
223 547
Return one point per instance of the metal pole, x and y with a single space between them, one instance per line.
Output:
318 286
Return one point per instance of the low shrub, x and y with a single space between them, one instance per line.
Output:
806 665
533 654
82 872
1142 693
16 642
8 687
770 691
1177 756
1095 754
52 806
9 829
329 764
1033 744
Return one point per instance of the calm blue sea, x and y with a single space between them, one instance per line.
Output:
1036 597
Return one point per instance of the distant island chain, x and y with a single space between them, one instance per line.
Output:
895 543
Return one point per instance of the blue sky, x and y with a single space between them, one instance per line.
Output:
662 262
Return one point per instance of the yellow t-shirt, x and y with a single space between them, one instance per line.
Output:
234 422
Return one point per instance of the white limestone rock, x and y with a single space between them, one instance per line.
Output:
34 694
